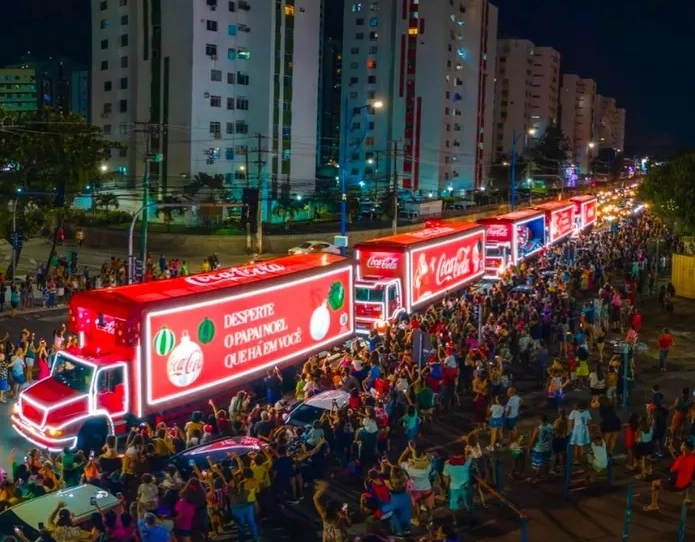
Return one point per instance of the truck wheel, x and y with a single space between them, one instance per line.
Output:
92 436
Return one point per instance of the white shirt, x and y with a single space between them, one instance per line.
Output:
513 406
419 477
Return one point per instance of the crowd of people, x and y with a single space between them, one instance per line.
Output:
570 320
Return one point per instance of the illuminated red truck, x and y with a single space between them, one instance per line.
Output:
559 220
401 273
511 238
586 211
156 348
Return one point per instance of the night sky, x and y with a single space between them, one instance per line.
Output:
639 51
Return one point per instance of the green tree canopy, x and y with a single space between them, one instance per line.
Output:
549 152
669 189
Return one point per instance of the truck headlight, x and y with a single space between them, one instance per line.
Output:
15 408
52 431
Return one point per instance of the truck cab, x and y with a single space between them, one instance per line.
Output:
378 302
83 400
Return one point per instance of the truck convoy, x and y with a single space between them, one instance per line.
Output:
160 349
156 348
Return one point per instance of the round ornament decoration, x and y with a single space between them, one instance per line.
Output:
185 363
206 331
164 341
320 322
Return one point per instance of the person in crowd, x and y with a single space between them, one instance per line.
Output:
677 480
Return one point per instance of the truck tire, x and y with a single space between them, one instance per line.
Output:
93 436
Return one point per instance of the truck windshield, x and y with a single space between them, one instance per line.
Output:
73 373
369 294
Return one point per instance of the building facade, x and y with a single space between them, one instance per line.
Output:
217 86
19 90
526 93
618 129
330 101
577 118
431 64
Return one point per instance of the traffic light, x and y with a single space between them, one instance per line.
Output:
249 198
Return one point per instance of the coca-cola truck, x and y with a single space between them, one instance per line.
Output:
159 348
559 220
398 274
511 238
585 211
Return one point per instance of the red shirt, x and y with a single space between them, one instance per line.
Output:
684 469
665 341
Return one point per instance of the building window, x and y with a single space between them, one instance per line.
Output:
215 129
123 3
122 106
244 53
359 36
230 128
242 78
359 22
289 11
371 94
124 20
373 36
107 129
124 83
372 49
104 6
374 6
104 44
371 80
211 25
354 80
124 40
211 50
215 75
374 22
232 7
107 108
242 103
369 141
357 7
107 86
104 24
371 64
124 62
230 104
241 127
286 154
104 65
231 54
230 78
215 101
355 51
231 30
412 31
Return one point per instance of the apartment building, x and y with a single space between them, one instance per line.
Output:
526 92
618 129
209 76
431 64
330 101
19 90
604 110
577 118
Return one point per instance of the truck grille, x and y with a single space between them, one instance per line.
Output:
31 413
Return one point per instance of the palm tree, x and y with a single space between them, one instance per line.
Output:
167 213
106 201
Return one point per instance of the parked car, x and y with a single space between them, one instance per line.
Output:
216 450
461 205
307 412
311 247
31 516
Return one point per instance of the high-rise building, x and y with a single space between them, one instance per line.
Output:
330 101
526 92
577 119
219 83
432 66
19 90
618 129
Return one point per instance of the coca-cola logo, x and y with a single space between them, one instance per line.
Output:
384 263
590 211
107 326
450 269
497 231
236 274
184 367
427 233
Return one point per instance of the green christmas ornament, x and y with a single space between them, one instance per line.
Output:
206 331
336 296
164 341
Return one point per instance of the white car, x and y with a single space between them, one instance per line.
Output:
311 247
304 414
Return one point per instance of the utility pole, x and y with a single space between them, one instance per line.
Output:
150 130
249 242
395 188
376 175
259 209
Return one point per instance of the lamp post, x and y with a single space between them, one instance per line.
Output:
590 147
347 121
515 157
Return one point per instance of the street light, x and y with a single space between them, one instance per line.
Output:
515 142
347 122
104 168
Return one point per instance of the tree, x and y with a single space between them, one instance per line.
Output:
286 207
549 152
669 189
106 201
500 174
52 157
169 208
